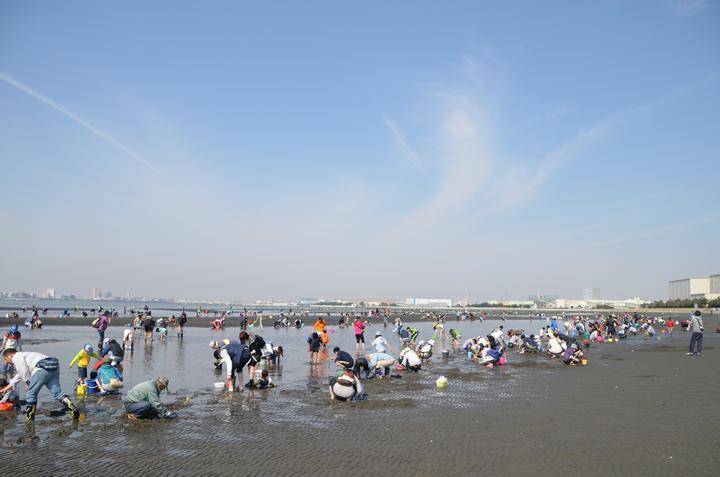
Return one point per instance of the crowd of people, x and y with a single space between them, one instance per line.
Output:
567 338
103 377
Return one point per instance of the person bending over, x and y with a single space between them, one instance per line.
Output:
343 358
345 387
143 400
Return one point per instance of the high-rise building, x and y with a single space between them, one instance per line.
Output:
50 293
591 293
108 295
97 293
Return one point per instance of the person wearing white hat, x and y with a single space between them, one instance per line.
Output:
381 345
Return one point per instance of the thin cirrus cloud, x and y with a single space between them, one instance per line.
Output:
475 179
466 158
77 119
555 113
690 7
407 151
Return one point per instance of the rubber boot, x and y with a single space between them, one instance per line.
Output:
30 412
72 407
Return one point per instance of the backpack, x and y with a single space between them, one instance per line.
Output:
258 344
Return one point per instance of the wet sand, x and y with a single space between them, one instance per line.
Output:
640 407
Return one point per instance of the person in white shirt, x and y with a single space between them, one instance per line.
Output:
425 349
128 335
410 359
36 370
380 344
555 346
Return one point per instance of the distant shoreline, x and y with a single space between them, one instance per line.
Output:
415 317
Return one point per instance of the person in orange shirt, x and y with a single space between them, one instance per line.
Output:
325 338
320 325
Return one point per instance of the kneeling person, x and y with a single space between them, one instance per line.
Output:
143 401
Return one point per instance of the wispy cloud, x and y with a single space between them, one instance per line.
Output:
465 158
408 152
476 178
82 122
649 233
690 7
555 113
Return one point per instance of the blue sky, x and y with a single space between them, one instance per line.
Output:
231 150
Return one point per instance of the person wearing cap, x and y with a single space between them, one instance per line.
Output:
217 360
381 345
425 349
409 359
128 335
11 339
143 400
696 327
83 360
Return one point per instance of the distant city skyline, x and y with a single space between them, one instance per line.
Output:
100 294
427 149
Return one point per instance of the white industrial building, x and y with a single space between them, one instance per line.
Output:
715 284
591 293
430 302
689 288
634 302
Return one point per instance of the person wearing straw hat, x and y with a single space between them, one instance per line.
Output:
143 400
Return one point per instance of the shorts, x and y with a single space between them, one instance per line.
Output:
360 338
82 372
238 367
148 329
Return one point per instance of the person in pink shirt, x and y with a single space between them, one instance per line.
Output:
359 333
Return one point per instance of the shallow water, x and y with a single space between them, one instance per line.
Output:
616 403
